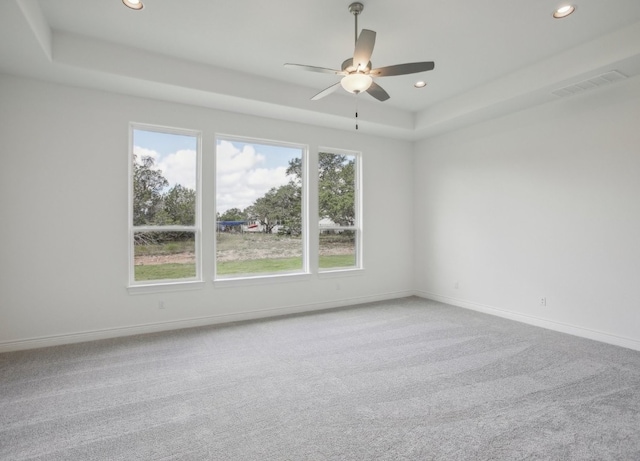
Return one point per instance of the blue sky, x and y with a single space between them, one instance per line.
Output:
275 156
164 143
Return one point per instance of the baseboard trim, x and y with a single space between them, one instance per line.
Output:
108 333
536 321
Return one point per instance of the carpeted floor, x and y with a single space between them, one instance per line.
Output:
407 379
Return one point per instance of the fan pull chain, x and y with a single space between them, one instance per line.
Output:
357 109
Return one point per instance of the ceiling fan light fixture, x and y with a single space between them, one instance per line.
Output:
564 11
420 84
133 4
358 72
356 82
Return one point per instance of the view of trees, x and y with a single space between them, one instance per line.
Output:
153 205
232 214
336 184
148 184
336 195
163 211
282 205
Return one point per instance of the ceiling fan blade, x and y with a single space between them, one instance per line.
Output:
402 69
377 92
326 91
364 48
322 70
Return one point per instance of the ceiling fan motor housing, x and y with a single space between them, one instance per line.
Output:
347 66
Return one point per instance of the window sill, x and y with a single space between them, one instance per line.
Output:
165 287
260 280
348 272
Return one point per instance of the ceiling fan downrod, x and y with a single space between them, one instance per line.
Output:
356 8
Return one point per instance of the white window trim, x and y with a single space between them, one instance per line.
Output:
265 278
149 286
358 226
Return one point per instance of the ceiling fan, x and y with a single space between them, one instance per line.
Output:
357 72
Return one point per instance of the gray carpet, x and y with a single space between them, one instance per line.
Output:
408 379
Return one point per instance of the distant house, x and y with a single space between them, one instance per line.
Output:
253 226
256 226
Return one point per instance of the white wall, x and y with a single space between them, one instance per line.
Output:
544 202
63 202
540 203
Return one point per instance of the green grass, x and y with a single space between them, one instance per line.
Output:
255 266
260 266
165 271
336 261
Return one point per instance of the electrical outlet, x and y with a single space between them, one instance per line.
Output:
456 285
160 304
543 301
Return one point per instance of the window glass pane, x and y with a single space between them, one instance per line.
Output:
337 186
337 248
164 205
259 208
164 255
337 206
164 178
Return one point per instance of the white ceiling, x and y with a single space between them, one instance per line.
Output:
491 57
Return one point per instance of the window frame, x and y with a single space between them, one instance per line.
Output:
266 277
143 286
358 206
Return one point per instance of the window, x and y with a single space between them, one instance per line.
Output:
339 209
164 205
260 208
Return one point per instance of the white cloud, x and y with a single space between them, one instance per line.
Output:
230 159
178 167
143 152
242 177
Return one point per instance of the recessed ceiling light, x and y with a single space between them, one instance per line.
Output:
133 4
420 84
564 11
